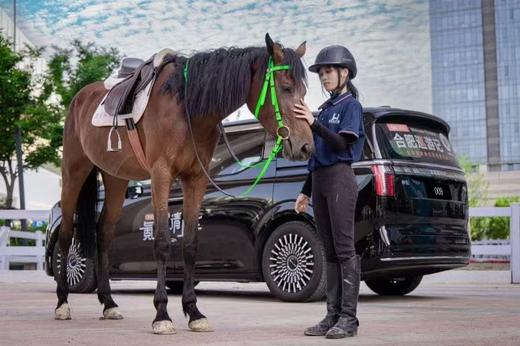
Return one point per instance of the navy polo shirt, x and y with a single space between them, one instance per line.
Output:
340 114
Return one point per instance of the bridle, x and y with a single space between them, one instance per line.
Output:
269 83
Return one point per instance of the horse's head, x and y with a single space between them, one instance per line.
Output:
284 66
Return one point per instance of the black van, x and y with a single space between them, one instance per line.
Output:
411 216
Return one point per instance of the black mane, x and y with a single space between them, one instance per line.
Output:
219 80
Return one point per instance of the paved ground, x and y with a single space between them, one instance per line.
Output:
458 307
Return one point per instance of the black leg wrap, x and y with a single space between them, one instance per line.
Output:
160 302
62 290
109 305
191 310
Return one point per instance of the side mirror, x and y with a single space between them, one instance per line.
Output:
134 192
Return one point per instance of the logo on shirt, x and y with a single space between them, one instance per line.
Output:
334 119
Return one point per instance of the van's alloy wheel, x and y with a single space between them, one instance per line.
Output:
293 262
80 270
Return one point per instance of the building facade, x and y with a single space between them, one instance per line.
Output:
475 51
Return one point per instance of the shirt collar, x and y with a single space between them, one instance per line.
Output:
335 100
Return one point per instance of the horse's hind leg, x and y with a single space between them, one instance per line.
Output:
193 190
115 190
75 171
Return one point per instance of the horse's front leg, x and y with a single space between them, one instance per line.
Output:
193 191
161 183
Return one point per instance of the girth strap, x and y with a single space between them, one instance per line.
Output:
135 143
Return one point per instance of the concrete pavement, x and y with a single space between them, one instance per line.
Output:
457 307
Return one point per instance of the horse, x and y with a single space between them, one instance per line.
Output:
195 93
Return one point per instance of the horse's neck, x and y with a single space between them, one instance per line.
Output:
207 124
240 103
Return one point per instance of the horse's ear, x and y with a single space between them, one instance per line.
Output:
269 43
274 49
300 51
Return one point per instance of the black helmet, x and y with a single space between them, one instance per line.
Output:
335 55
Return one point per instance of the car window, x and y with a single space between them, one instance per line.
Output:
248 147
415 141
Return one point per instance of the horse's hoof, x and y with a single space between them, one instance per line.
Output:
63 312
200 325
163 327
112 314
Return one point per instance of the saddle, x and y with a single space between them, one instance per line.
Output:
137 74
138 77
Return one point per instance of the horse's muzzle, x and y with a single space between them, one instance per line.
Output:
297 152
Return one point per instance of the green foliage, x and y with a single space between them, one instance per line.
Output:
493 227
477 184
31 227
92 64
484 227
16 98
29 101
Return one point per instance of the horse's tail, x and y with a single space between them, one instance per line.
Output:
86 211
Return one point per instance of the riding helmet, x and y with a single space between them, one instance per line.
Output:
335 55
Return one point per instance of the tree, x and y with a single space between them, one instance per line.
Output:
21 106
499 226
477 195
38 103
72 68
485 227
477 184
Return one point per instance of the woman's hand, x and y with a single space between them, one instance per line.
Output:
303 112
302 202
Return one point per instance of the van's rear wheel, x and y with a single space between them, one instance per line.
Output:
397 286
81 275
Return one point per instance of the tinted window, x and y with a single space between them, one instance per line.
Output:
248 147
415 141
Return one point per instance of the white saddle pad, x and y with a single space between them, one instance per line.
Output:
102 118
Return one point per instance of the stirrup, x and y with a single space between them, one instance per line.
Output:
109 142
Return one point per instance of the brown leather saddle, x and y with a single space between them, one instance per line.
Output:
137 73
120 99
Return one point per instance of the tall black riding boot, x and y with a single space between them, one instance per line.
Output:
333 302
348 323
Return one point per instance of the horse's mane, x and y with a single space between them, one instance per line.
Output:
219 80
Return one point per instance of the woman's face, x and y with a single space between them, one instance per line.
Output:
329 77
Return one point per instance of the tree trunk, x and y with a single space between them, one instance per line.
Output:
9 180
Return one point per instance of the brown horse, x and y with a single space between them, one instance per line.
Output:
218 83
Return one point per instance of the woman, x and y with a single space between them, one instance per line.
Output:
339 138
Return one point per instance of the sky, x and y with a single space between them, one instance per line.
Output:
389 38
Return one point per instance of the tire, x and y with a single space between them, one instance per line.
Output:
398 286
293 263
80 271
176 286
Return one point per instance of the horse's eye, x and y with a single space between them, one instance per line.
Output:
287 88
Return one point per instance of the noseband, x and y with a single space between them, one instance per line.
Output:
269 83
